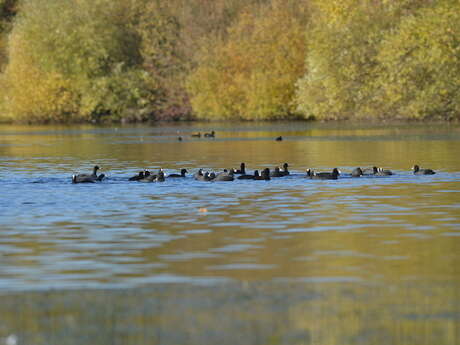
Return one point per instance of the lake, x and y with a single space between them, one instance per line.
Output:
369 260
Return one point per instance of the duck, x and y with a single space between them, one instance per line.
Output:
276 173
140 176
265 175
242 169
205 177
325 175
137 177
88 178
285 170
226 176
357 172
182 173
210 135
370 171
418 171
196 135
148 177
280 138
249 177
179 138
198 175
382 172
160 176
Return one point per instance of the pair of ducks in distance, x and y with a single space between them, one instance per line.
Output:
212 134
229 175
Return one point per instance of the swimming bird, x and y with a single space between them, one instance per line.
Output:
138 177
242 169
370 171
179 138
248 177
160 176
276 173
205 177
88 178
381 172
357 172
210 135
148 177
265 175
182 173
280 138
226 176
196 135
198 175
326 175
285 170
418 171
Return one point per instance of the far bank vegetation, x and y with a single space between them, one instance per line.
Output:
149 60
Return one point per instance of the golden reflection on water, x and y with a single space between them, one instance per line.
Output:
277 313
397 148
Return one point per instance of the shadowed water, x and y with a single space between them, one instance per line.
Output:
382 252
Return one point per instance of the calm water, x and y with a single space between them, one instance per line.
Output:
391 243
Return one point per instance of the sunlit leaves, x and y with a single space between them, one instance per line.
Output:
342 45
252 73
420 65
142 60
84 60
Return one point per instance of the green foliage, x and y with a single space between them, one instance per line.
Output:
382 59
419 75
342 45
138 60
87 63
251 74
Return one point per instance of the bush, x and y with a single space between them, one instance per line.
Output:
342 48
419 74
251 74
87 63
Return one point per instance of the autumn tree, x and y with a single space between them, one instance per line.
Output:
419 75
91 62
251 73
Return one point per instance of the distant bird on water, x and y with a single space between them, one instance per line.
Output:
137 177
182 173
280 138
357 172
210 135
323 175
88 178
418 171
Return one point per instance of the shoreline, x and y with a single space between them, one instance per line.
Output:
353 121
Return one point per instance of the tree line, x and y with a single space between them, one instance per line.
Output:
147 60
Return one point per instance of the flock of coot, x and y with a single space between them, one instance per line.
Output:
240 174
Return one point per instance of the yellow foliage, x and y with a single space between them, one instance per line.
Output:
252 74
419 65
32 95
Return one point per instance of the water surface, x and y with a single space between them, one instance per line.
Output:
389 237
